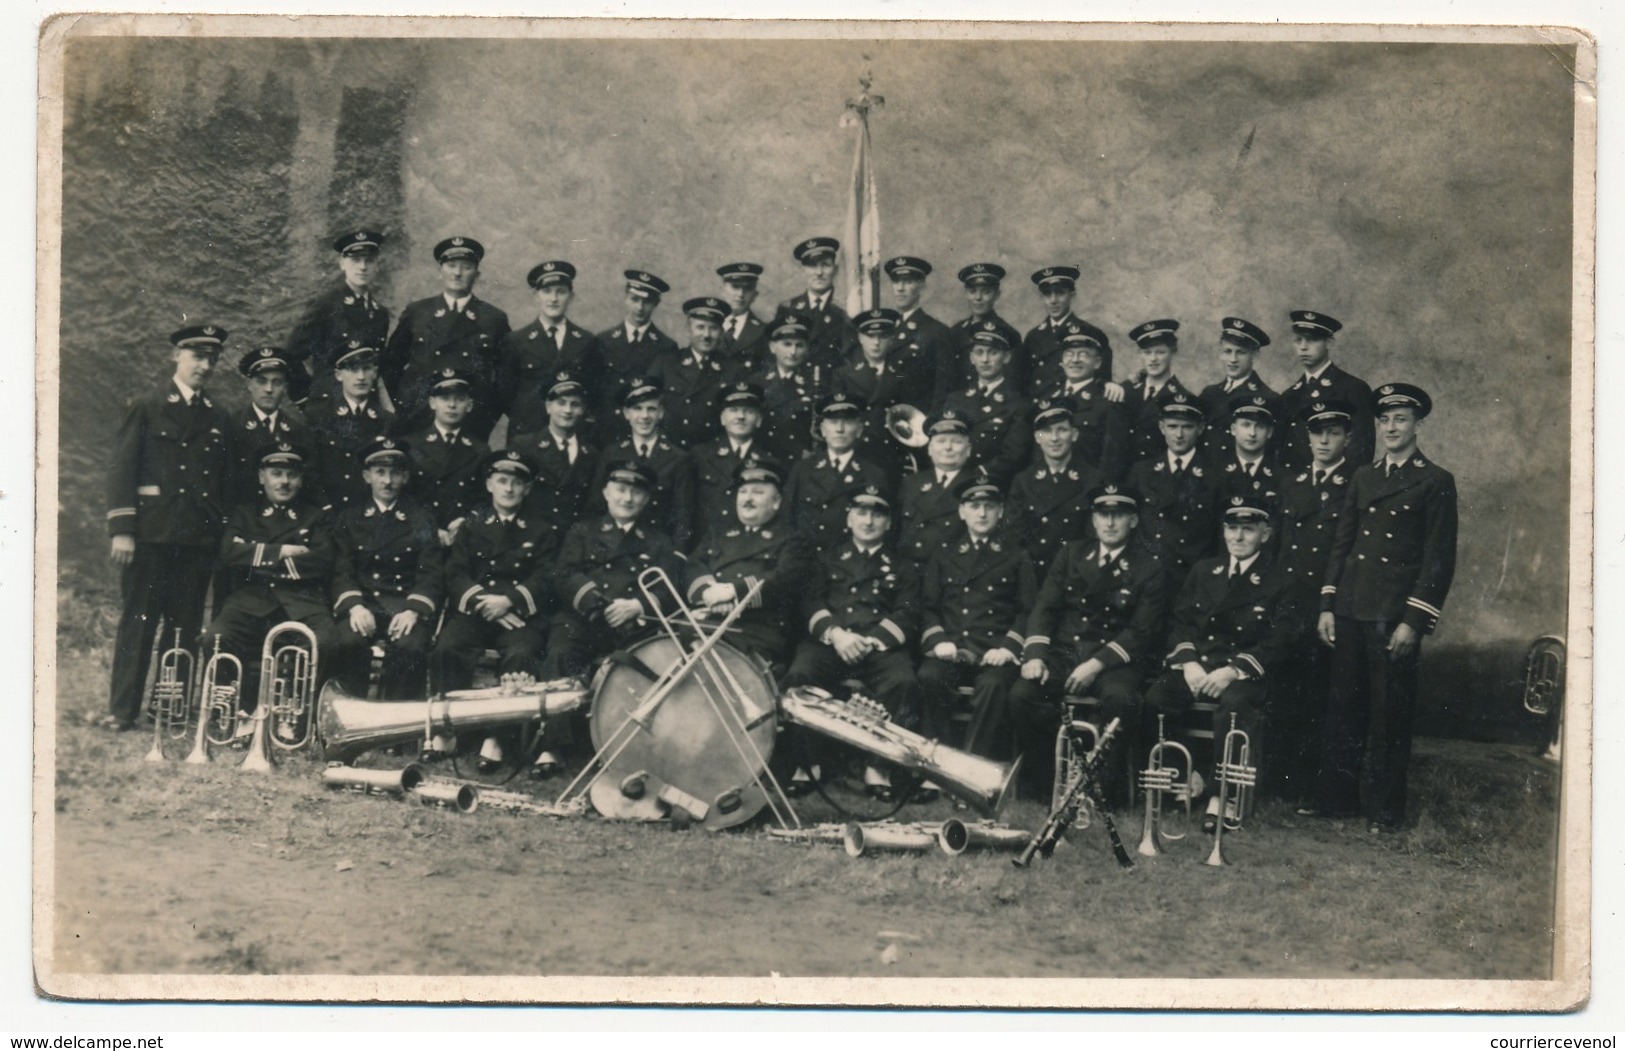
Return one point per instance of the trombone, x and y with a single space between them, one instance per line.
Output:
287 699
1236 779
1162 780
172 692
217 701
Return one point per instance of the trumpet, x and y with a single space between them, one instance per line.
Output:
284 716
1070 748
1162 780
172 692
1236 779
217 700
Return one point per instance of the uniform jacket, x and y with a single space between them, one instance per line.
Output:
1179 517
783 560
1248 622
446 477
430 338
1292 436
789 409
388 560
904 380
1001 438
562 490
287 424
530 364
599 563
978 597
877 594
927 518
513 559
621 362
1049 508
714 464
337 436
1041 355
953 370
1216 403
831 336
1102 427
267 582
693 393
328 325
1306 524
670 510
1395 551
749 351
931 342
1112 613
815 495
1141 411
168 480
1264 481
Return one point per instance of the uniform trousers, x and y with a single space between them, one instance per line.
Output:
406 659
1366 747
1244 699
165 582
887 674
575 643
1294 721
250 614
1036 710
464 637
940 681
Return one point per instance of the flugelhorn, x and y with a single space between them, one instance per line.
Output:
1236 779
863 724
284 716
348 725
172 691
218 698
1160 781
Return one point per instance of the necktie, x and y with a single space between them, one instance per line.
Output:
643 451
570 450
1387 468
942 480
1179 468
1234 569
553 334
1320 476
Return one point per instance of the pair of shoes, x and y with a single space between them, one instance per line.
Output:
799 784
546 765
115 724
877 785
1309 811
926 793
1210 818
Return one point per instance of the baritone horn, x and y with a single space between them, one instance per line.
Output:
217 700
1236 779
1168 775
1543 689
172 692
287 699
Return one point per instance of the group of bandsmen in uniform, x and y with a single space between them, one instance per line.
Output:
1046 532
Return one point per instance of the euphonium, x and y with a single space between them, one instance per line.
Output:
1160 780
285 715
348 726
1543 676
863 724
217 702
1070 746
1236 778
171 701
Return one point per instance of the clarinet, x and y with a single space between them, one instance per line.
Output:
1082 786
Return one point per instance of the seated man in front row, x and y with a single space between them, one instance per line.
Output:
1230 626
278 549
1097 620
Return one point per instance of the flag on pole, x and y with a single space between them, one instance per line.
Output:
861 234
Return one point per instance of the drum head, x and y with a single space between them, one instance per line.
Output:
683 743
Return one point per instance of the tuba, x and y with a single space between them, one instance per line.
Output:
1162 780
286 710
172 692
217 703
863 724
1236 779
1543 688
907 425
348 726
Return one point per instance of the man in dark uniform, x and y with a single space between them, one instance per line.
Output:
166 503
595 577
997 414
1312 501
629 351
694 378
1386 581
342 423
976 595
954 372
1239 343
266 418
884 375
759 547
1182 492
830 336
929 510
281 548
919 333
448 464
744 335
1049 500
1312 336
817 486
455 329
791 389
344 312
1252 469
1158 342
717 462
1095 628
1037 365
671 499
533 356
566 463
496 590
386 577
1102 423
1229 628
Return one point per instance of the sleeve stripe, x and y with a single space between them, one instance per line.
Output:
119 512
1120 651
699 584
259 554
462 603
1423 606
581 593
894 629
529 600
292 568
427 602
1329 589
816 619
932 632
1037 640
1258 669
1015 637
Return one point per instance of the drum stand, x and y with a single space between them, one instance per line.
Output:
734 723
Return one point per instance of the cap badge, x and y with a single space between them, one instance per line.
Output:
513 454
642 276
899 261
1049 271
811 244
387 443
870 490
1111 490
1259 401
549 267
1319 406
1389 389
1235 501
458 241
448 372
1308 316
283 447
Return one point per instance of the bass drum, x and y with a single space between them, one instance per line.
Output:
684 744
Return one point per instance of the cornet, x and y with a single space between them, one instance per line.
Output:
217 701
1162 780
1236 778
287 700
172 694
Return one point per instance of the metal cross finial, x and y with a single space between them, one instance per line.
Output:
865 101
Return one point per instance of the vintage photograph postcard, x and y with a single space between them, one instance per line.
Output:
814 513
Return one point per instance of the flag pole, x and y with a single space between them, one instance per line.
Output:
863 209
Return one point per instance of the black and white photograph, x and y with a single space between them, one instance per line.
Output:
934 514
